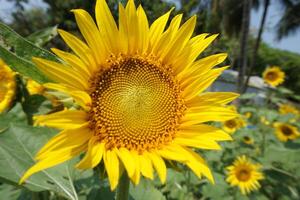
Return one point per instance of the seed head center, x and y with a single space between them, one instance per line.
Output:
136 104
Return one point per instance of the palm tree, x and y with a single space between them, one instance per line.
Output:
247 4
257 43
290 20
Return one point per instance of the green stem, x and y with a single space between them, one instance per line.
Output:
123 188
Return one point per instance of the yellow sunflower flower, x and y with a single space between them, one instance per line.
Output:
7 86
273 76
34 87
248 140
248 115
234 124
244 174
264 120
285 132
288 108
140 89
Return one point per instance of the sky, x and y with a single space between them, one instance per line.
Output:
291 43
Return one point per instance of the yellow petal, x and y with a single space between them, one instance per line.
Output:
173 152
157 28
80 97
66 139
201 66
203 131
127 160
206 114
61 73
123 29
198 165
143 30
80 48
111 162
197 143
52 160
159 165
107 25
93 156
186 58
212 98
137 174
167 36
66 119
132 25
146 166
181 38
91 35
202 83
74 62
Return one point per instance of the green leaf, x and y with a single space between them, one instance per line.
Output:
9 192
17 52
19 143
145 191
43 36
21 46
24 67
248 96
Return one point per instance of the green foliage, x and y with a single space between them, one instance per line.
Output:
17 52
18 144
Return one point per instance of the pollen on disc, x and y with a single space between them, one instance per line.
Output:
136 104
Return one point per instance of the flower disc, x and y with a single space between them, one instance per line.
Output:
136 104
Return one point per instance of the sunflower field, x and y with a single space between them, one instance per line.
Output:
132 102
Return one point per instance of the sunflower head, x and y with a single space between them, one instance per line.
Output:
234 124
273 76
285 132
139 91
248 140
7 86
244 174
288 108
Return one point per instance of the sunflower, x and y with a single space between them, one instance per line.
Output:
285 132
234 124
139 94
244 174
288 108
248 140
34 87
248 115
7 86
264 120
273 76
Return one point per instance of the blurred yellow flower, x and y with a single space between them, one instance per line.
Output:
264 120
248 114
288 108
285 132
7 86
248 140
140 96
244 174
233 125
34 87
273 76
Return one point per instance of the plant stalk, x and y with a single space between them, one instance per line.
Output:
123 188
